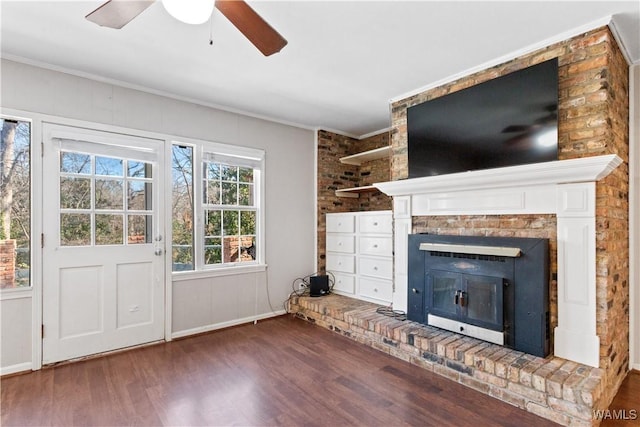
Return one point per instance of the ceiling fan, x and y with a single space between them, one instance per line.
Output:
117 13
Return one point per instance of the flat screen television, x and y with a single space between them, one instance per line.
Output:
507 121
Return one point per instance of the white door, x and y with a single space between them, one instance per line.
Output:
103 252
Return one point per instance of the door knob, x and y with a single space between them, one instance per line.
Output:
158 252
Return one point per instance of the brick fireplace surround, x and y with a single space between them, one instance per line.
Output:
593 121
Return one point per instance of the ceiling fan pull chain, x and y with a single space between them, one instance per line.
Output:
211 29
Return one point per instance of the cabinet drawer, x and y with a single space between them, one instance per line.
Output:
344 283
340 243
339 223
376 267
342 263
377 289
375 224
376 245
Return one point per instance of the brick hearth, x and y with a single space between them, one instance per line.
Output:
554 388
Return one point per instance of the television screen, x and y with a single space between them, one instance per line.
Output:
507 121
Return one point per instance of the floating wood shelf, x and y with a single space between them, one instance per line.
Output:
366 156
354 192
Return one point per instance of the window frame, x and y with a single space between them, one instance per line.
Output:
237 156
34 163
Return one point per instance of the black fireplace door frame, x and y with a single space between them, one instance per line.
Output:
470 298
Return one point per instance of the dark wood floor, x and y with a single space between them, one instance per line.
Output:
279 372
624 411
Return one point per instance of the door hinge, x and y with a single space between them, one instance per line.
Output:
42 331
42 149
41 240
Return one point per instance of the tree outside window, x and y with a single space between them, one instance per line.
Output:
15 204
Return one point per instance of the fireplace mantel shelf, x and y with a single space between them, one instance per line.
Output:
557 172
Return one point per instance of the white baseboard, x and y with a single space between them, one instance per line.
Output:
235 322
13 369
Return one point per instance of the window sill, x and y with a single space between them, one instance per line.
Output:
16 293
218 272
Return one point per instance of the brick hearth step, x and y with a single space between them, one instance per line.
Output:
557 389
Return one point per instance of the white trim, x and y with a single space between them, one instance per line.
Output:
583 169
168 232
222 325
14 369
508 57
634 212
374 133
17 293
228 270
315 200
620 40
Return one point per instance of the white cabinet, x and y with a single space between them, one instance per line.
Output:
360 254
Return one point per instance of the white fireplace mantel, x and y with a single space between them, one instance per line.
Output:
565 188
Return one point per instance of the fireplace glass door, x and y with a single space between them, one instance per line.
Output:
484 302
473 299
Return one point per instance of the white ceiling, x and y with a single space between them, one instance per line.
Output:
344 62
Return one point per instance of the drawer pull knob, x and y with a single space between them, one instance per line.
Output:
375 289
375 224
340 244
375 246
375 268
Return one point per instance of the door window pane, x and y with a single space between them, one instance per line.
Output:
109 166
109 229
137 169
139 195
75 229
139 229
75 193
77 163
108 194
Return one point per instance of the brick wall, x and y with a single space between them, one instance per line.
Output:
593 120
333 175
7 263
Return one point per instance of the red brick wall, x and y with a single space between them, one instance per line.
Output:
593 120
7 264
333 175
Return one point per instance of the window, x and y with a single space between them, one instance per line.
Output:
182 208
227 207
102 197
15 204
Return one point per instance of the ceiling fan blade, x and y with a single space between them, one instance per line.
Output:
515 128
257 30
118 13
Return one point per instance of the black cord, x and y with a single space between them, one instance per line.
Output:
388 311
303 286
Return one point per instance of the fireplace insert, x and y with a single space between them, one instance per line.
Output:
491 288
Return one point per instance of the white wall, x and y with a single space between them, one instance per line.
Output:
202 303
15 330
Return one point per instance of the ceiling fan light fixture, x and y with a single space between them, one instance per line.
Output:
190 11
